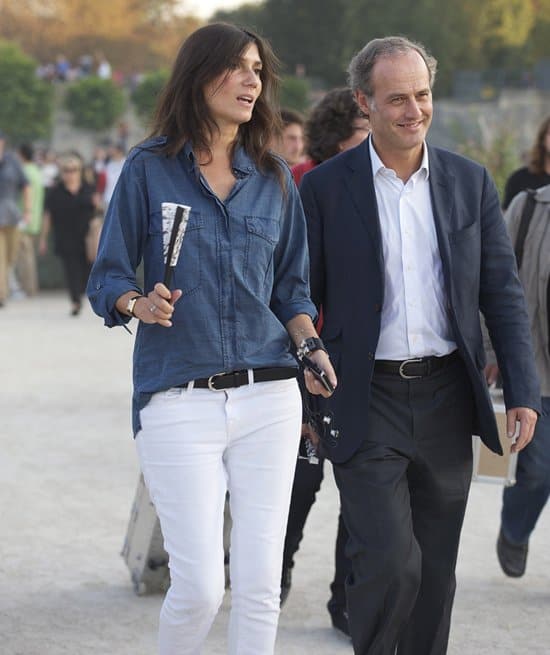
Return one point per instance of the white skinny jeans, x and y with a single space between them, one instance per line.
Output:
194 445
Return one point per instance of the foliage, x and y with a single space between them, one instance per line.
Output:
147 92
27 103
494 148
134 35
95 104
295 92
322 35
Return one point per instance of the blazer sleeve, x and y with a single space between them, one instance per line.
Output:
503 305
315 240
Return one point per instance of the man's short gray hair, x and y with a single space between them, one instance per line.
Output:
360 67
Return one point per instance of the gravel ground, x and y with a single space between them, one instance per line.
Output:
68 474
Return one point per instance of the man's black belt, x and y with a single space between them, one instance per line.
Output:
220 381
414 368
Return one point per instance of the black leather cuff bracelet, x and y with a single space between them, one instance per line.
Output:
307 346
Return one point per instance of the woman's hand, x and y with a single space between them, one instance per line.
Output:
157 306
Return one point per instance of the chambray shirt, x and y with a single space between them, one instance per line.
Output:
243 269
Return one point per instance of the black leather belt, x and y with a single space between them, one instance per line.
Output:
220 381
415 368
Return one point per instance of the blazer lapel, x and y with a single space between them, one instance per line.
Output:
361 192
442 184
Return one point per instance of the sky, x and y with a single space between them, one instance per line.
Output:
205 8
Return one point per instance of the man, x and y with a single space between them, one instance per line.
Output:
407 244
291 144
523 503
13 184
537 173
26 269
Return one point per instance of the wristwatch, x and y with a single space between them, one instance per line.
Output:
308 345
131 304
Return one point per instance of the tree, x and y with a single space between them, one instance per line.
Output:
27 103
295 93
147 92
134 35
95 104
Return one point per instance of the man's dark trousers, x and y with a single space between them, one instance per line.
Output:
404 495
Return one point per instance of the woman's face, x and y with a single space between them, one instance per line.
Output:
232 95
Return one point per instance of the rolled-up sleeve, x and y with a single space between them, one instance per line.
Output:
121 245
290 295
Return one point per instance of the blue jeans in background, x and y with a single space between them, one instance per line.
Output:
524 502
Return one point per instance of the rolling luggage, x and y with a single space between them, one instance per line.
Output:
143 549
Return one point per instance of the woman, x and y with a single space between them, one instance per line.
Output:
68 209
216 405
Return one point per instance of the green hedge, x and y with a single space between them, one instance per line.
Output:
26 103
95 104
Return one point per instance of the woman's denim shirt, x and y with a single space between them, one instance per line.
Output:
243 268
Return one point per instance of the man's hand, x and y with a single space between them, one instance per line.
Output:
491 373
527 418
322 360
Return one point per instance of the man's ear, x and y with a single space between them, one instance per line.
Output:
363 103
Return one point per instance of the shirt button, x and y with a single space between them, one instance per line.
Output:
370 355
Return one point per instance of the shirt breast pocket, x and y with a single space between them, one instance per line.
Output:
188 272
262 236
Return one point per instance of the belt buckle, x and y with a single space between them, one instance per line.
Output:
402 373
212 378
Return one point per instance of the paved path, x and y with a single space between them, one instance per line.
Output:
68 473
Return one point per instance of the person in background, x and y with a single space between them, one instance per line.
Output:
407 245
290 144
335 124
49 167
68 209
25 267
113 168
522 503
13 186
537 172
216 403
104 70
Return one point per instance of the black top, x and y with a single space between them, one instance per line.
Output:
70 215
521 180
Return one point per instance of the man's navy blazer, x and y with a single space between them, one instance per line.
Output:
347 280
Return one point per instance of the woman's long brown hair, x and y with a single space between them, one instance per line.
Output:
182 113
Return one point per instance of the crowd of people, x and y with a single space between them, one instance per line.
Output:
43 192
65 70
341 248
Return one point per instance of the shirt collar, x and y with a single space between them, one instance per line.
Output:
378 165
242 162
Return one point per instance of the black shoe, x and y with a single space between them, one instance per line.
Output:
286 583
75 311
512 557
340 620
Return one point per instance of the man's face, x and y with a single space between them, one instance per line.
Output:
400 110
292 143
